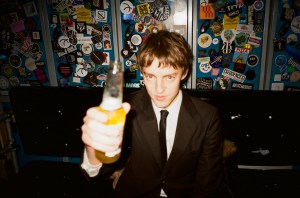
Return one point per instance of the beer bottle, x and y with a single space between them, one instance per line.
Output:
111 104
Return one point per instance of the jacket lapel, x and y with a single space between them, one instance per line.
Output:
185 127
149 128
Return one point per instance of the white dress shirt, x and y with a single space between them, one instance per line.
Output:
172 119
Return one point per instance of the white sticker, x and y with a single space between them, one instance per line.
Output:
4 83
64 42
126 7
136 39
30 64
204 40
80 71
295 25
233 75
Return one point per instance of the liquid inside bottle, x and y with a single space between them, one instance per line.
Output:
112 105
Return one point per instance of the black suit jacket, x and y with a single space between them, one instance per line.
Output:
194 167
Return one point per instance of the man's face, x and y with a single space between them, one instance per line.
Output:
162 83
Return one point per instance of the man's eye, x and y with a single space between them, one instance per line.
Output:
170 77
149 77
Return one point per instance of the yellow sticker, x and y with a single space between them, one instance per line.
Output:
230 23
143 9
84 15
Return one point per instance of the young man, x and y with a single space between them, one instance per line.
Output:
193 133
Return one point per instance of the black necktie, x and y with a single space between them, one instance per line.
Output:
162 135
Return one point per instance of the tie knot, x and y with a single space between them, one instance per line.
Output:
164 113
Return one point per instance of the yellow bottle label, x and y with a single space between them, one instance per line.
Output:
116 118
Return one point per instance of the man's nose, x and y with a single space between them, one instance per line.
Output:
159 85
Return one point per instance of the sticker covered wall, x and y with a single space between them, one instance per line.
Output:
284 73
139 18
82 41
22 51
229 44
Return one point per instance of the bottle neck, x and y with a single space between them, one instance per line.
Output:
113 89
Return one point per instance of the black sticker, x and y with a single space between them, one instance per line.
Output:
204 83
91 78
96 39
252 60
236 85
97 57
250 74
64 69
81 27
160 10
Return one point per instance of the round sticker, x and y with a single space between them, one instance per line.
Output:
14 81
216 27
258 5
30 64
295 76
86 48
280 60
205 67
136 39
241 39
147 19
80 71
228 35
215 41
7 70
292 39
128 63
295 25
252 60
4 83
106 28
15 60
204 40
126 7
64 42
140 27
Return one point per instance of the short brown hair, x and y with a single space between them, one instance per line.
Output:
170 48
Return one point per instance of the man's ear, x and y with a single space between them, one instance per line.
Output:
184 75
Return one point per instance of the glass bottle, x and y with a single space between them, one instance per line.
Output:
111 104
